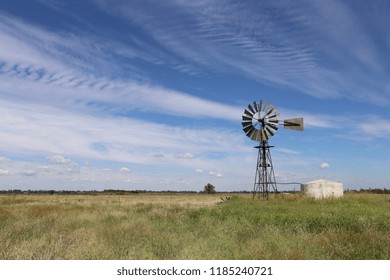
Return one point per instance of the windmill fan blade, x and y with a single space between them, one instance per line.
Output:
252 133
255 135
270 110
274 127
263 135
251 109
269 131
255 106
294 124
248 113
245 124
245 118
276 115
248 129
275 122
260 104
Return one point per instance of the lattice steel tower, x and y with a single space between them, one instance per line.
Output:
265 177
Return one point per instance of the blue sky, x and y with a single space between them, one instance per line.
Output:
149 94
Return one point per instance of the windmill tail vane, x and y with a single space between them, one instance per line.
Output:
260 122
294 124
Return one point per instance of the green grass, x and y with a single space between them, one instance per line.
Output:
194 226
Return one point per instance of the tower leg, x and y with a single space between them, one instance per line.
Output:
265 177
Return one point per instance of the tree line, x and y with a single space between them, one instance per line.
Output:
208 188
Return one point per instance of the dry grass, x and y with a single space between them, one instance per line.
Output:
193 226
86 226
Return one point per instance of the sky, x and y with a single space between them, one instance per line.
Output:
148 95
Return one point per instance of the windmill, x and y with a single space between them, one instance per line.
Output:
260 122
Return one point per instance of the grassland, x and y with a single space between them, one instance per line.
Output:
193 226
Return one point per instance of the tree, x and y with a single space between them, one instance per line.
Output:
209 188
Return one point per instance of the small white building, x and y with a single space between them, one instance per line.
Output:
322 189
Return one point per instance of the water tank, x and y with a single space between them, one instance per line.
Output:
322 189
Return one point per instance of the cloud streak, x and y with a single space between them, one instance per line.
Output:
55 131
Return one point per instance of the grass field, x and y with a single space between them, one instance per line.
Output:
193 226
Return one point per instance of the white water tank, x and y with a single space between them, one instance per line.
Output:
322 189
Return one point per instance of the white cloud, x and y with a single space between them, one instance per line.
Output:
198 170
124 170
59 159
3 172
212 173
287 151
184 156
324 165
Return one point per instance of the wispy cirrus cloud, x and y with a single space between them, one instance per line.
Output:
308 46
28 45
83 92
57 70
